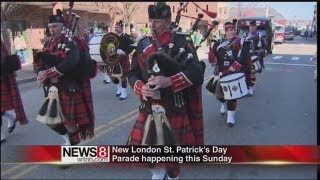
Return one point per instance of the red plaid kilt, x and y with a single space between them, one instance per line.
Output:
77 109
187 127
250 77
10 98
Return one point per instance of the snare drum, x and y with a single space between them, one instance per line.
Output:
234 86
256 64
94 50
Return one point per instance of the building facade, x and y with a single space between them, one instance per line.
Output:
141 19
32 17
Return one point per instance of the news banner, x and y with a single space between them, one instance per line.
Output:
214 154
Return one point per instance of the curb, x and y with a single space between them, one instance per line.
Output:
26 80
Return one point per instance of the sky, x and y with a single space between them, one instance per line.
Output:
290 10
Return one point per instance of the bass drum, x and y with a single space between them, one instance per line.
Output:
94 50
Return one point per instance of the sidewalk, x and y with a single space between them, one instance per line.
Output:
26 74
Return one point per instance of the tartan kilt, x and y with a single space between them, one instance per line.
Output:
195 113
187 127
78 112
10 98
250 77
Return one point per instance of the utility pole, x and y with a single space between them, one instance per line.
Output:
267 9
240 10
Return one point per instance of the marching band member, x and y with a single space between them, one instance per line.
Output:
257 47
185 118
11 104
124 50
224 54
74 92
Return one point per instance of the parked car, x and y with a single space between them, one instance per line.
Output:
264 24
279 33
288 33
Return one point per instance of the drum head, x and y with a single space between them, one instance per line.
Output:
94 47
109 46
231 77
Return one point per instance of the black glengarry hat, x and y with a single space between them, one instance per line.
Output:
159 11
119 23
56 18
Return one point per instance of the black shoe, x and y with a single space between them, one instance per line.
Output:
10 129
118 95
3 140
230 125
105 82
121 98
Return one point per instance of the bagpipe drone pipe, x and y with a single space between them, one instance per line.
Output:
86 67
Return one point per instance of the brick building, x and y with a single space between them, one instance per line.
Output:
140 19
31 18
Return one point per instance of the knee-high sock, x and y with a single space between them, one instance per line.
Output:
11 117
158 172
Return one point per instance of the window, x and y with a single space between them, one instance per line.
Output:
279 28
196 9
173 9
207 7
225 11
220 11
186 10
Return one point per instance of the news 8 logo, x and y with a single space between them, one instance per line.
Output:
85 154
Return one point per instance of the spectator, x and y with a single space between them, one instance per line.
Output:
306 33
196 38
20 47
146 31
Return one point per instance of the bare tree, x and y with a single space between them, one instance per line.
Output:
245 8
7 10
114 10
127 9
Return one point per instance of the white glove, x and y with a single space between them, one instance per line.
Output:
120 52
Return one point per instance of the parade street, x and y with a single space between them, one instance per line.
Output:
281 112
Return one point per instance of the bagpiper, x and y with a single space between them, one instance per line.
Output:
167 77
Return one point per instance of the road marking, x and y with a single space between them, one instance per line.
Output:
8 171
295 58
18 176
289 64
117 119
277 57
110 127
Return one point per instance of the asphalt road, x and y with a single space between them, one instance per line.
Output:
282 112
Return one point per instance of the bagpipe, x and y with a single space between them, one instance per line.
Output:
10 64
178 60
86 67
